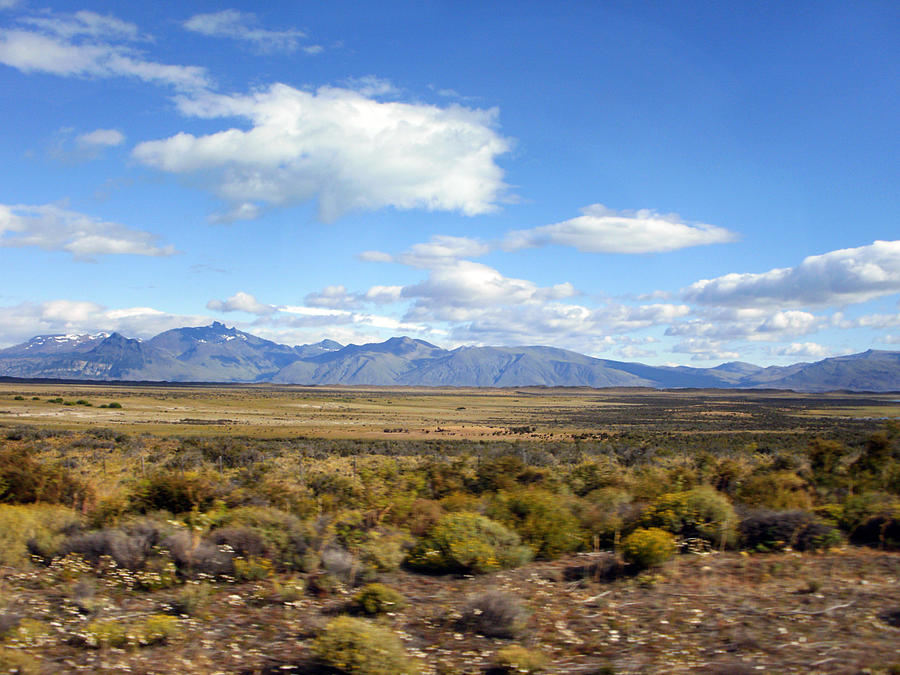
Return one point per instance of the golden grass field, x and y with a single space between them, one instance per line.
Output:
406 412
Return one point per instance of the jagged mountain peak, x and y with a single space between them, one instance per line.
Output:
218 353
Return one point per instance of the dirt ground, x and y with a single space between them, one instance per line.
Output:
716 613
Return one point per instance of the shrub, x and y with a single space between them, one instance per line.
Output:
779 490
29 633
775 531
383 552
252 569
519 659
359 647
378 599
283 538
106 633
494 614
599 567
468 542
192 599
19 662
129 549
156 629
193 557
36 527
540 518
649 547
341 565
174 492
873 519
25 480
152 630
423 514
589 476
243 541
607 511
698 513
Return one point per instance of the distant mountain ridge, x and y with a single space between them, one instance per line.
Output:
216 353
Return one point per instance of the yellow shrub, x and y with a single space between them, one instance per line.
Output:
359 647
648 547
42 523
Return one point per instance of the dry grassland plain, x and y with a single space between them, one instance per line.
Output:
428 413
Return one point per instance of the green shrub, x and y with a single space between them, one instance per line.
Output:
155 629
106 633
519 659
252 569
468 542
151 630
113 404
359 647
698 513
192 599
384 552
540 518
25 527
778 490
19 662
586 477
377 599
172 491
26 480
28 634
649 547
873 519
606 512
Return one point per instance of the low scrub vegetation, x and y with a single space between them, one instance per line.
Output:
187 528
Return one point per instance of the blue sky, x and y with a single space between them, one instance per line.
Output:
688 183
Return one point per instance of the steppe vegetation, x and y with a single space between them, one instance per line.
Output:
455 532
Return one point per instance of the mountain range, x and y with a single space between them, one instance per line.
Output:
216 353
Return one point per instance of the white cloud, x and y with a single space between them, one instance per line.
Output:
704 349
803 349
329 316
100 138
9 4
87 44
83 23
384 295
633 352
348 151
243 211
371 85
53 228
452 291
878 321
242 26
754 324
891 339
21 322
839 277
791 322
335 297
338 297
439 250
602 230
241 302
